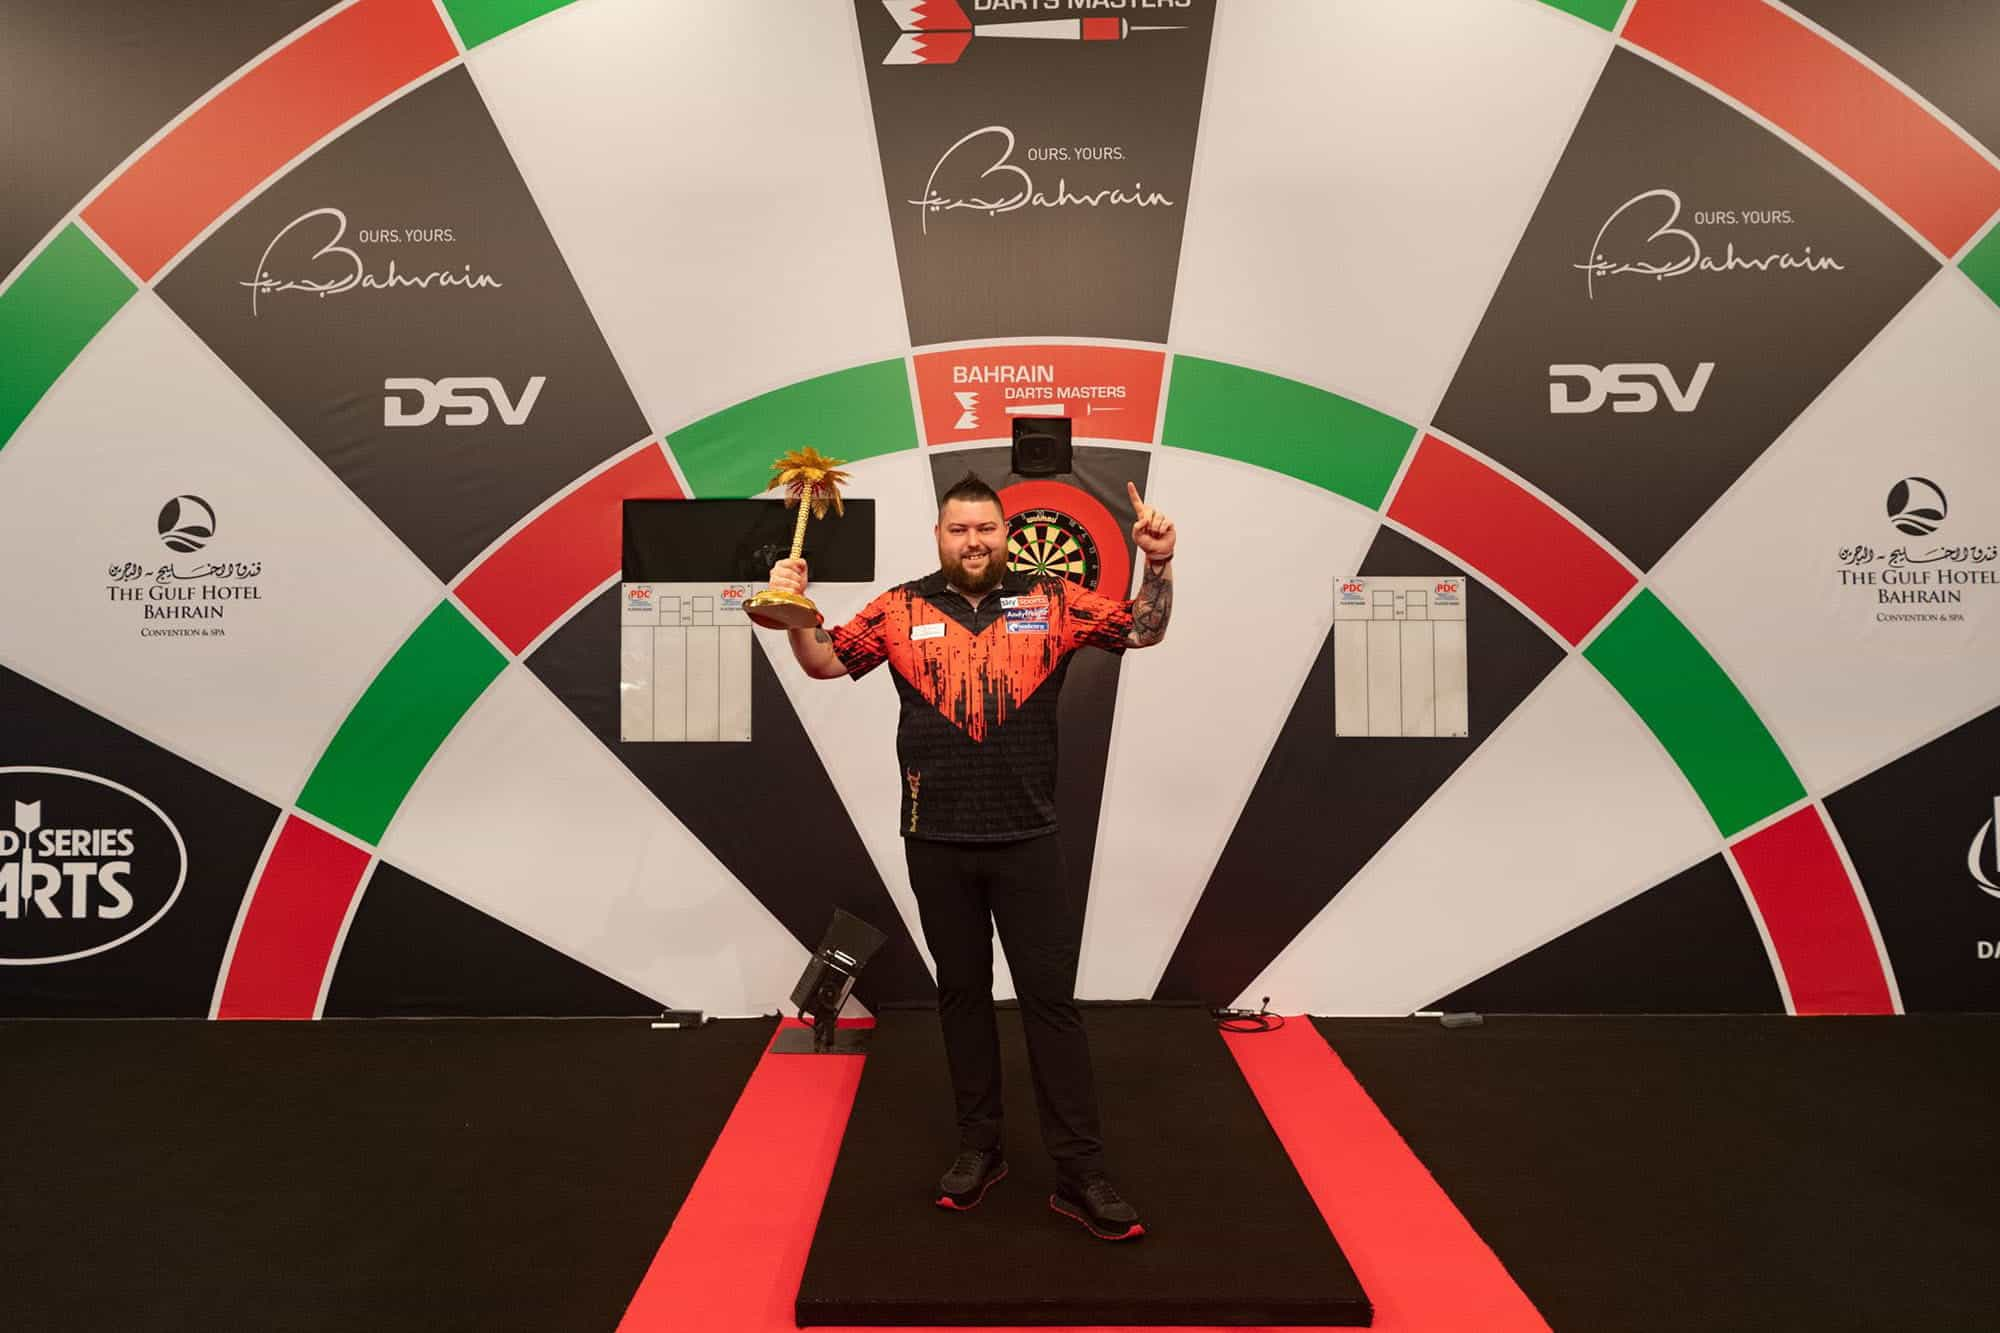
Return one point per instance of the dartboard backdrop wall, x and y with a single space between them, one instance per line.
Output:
336 336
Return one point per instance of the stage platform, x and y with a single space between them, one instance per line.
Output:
1643 1175
1233 1237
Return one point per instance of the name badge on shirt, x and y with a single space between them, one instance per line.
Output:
918 632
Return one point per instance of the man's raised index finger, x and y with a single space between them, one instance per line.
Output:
1137 504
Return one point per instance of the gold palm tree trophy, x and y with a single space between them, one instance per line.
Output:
812 482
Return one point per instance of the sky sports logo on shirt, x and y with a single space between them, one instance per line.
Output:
1026 615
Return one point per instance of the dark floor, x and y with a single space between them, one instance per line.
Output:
1633 1174
422 1175
1640 1174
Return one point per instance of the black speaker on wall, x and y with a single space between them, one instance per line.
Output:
1041 446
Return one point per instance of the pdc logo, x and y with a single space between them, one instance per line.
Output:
85 865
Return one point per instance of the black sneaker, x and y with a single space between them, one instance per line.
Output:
1098 1205
972 1173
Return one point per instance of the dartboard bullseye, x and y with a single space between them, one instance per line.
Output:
1048 542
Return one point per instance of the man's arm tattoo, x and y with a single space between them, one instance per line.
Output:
821 636
1151 609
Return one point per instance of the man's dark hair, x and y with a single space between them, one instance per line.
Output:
973 491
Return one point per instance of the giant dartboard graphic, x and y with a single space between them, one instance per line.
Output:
336 341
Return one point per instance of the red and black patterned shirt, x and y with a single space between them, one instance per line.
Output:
977 735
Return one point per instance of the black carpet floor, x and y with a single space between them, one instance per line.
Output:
1643 1174
490 1175
1233 1237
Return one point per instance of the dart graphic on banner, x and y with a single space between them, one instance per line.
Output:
936 32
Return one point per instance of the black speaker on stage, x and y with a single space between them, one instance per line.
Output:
1041 446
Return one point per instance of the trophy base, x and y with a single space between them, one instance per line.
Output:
782 610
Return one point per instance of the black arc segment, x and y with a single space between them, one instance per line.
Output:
170 969
1922 835
1688 945
1039 186
414 951
398 302
1943 49
720 791
69 114
1324 805
1688 283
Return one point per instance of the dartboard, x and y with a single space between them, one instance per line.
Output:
339 340
1047 542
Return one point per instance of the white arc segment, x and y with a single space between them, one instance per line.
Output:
524 816
1568 810
853 723
1313 247
1197 714
709 172
1843 683
332 596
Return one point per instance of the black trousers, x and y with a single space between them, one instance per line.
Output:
963 891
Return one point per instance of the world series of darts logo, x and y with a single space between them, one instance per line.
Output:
86 864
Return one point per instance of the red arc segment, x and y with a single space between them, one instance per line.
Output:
1511 536
1828 100
528 581
275 111
294 918
1812 912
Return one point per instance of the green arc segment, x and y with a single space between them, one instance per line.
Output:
851 414
1982 265
1272 422
399 722
482 20
54 308
1603 13
1707 726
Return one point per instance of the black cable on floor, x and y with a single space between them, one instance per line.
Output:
1260 1019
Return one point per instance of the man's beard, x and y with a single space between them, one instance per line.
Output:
964 580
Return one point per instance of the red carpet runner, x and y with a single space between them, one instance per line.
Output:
736 1251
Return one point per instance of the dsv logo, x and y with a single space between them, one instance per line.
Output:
1629 386
85 865
463 400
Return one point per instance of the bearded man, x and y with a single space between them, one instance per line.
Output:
979 653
